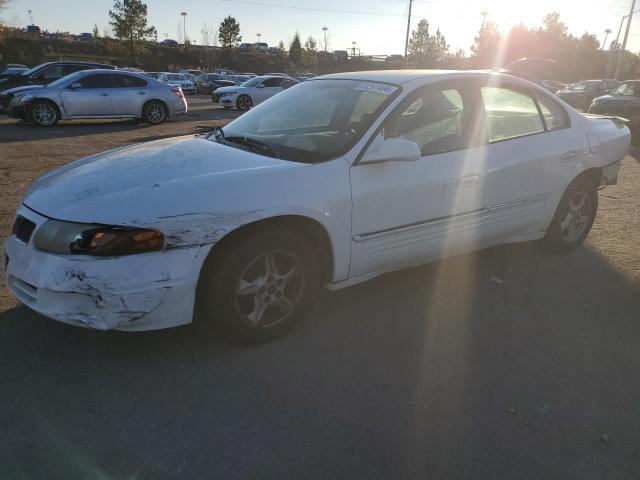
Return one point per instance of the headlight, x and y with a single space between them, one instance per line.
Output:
225 94
22 97
86 239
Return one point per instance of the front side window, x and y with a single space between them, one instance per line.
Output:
272 82
54 71
433 120
626 89
510 114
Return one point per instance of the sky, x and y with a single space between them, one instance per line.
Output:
377 26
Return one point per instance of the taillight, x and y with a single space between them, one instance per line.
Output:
178 92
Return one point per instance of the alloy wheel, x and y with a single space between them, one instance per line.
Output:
44 114
270 288
577 217
155 113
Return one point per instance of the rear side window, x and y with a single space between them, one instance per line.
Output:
99 80
510 114
127 81
555 117
68 69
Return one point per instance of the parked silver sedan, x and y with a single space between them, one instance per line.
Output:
98 94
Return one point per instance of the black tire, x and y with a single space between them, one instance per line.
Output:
154 112
244 103
44 113
571 223
271 305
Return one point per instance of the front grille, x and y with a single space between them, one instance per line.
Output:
23 229
26 293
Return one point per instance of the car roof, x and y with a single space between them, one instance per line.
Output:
400 77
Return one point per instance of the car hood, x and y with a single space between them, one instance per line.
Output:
574 92
139 184
14 90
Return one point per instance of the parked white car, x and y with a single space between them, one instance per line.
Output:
179 80
252 92
337 180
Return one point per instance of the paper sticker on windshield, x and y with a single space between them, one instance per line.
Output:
376 88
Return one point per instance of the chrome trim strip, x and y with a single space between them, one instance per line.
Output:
491 208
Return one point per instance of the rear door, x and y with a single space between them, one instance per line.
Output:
512 183
92 97
128 94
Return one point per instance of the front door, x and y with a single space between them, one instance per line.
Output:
400 216
88 96
267 89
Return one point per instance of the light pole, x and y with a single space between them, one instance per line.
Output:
607 32
353 49
626 37
259 35
484 14
324 31
184 26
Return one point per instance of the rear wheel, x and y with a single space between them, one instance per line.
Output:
244 102
258 289
154 112
44 113
574 217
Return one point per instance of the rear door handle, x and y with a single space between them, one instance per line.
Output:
568 156
470 180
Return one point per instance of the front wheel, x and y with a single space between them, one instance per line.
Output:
44 113
258 288
574 217
244 102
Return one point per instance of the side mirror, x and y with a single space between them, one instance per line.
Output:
392 150
76 85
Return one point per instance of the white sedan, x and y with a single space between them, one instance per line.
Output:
337 180
252 92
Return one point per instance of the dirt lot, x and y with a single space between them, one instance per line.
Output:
437 372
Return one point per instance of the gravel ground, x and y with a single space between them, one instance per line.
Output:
436 372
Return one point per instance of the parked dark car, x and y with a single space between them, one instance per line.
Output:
623 102
46 73
581 94
208 82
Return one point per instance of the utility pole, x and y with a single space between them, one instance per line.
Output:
626 37
30 16
324 30
406 42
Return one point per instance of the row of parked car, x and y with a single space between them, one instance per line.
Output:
68 90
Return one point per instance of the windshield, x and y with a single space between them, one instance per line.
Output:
62 81
315 121
175 77
626 89
32 70
582 86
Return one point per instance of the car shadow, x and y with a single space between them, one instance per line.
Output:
485 366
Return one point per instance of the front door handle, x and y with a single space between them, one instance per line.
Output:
142 93
568 156
470 180
104 94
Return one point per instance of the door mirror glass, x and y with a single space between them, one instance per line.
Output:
391 150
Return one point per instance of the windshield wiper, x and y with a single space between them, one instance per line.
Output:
254 145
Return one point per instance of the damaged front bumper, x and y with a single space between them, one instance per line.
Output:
137 292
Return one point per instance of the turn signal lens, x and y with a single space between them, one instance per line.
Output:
117 242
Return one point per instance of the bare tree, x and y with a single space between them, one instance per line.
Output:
206 33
